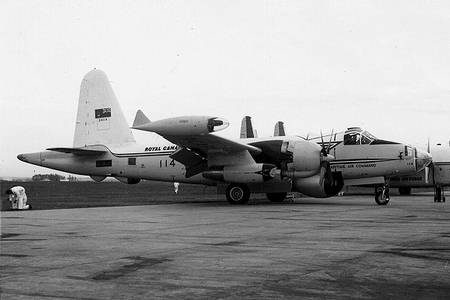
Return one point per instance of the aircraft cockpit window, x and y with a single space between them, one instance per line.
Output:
353 138
365 140
369 135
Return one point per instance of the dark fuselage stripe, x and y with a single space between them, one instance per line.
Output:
356 161
142 154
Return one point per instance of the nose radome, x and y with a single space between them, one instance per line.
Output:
32 158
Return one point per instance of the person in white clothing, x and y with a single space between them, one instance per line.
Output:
175 187
18 197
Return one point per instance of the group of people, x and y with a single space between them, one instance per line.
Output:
18 198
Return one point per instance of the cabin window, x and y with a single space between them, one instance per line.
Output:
132 161
352 139
103 163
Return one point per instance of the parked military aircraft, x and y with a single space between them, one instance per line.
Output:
188 151
437 175
363 159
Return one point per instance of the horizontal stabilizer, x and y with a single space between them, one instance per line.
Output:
79 151
140 119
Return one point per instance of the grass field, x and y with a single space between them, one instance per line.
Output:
55 195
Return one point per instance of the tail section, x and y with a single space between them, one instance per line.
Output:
140 119
100 119
279 129
247 128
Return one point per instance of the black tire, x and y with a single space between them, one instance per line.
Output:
404 190
237 194
437 194
382 195
276 197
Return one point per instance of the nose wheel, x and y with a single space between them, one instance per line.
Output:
382 195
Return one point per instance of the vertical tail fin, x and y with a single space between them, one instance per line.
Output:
247 128
100 119
279 129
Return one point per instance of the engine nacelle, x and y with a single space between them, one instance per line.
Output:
128 180
312 186
187 125
306 159
243 174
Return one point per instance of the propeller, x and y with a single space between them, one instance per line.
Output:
325 173
325 168
326 148
429 166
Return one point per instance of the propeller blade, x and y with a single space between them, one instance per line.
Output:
329 143
433 178
323 171
324 151
428 145
427 174
321 137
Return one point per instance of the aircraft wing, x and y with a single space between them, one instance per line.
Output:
200 151
209 143
199 148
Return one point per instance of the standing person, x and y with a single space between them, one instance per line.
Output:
18 197
175 187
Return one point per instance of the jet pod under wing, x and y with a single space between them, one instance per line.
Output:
193 132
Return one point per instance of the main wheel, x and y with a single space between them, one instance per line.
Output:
404 190
382 195
237 194
276 197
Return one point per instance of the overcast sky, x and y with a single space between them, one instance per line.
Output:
382 65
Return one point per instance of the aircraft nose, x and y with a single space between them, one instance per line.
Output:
32 158
423 159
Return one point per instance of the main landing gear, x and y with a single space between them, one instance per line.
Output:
382 194
237 193
240 194
439 194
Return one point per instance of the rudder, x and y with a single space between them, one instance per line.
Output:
100 119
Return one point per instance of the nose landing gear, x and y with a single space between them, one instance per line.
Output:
382 194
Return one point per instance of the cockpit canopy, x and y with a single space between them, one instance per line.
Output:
357 136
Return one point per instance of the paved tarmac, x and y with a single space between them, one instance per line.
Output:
337 248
